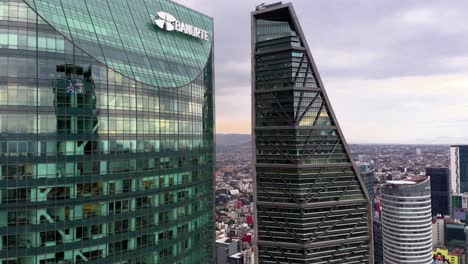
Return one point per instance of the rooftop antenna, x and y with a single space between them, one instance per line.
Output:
264 5
260 6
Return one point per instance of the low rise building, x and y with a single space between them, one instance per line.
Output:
225 248
455 234
446 256
461 214
438 231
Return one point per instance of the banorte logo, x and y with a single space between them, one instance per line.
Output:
165 21
168 22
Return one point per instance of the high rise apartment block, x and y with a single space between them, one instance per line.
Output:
407 222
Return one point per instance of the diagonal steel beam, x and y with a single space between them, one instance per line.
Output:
307 108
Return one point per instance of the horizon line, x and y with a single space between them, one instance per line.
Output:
366 143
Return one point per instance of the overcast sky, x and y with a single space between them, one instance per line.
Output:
395 71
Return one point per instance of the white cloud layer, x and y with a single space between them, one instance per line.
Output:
417 109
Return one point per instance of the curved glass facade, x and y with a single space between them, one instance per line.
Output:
121 35
104 160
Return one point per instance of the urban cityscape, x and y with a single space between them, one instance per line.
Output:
234 183
116 147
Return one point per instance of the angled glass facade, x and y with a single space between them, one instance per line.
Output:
106 134
311 205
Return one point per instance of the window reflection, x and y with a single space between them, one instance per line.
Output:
87 153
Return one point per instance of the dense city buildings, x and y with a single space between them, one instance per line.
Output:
311 204
440 190
106 132
449 231
400 162
407 221
394 162
459 168
234 197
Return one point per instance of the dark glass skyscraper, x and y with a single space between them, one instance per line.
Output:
378 243
106 132
311 204
440 190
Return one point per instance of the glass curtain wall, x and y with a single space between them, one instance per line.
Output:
95 166
311 204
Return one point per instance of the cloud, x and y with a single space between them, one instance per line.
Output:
233 114
395 70
418 16
401 110
444 18
234 77
455 63
342 60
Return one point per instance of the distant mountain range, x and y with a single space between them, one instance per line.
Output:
223 140
232 140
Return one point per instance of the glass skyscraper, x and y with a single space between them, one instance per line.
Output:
106 132
311 204
440 190
459 168
367 175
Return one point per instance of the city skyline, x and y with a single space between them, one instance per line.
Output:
340 132
391 58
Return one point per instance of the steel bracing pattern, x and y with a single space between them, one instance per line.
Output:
311 204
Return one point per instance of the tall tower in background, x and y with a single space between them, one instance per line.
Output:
367 175
459 168
407 222
311 204
440 190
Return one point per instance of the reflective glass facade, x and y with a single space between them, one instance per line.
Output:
367 175
311 204
106 134
440 190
